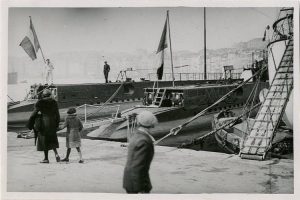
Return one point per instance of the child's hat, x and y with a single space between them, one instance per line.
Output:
71 111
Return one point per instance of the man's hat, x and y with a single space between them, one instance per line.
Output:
146 119
71 111
105 61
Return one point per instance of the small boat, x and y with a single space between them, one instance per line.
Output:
230 139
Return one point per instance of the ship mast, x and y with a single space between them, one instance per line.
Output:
205 75
173 78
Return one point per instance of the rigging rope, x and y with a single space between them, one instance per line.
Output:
175 131
11 99
230 123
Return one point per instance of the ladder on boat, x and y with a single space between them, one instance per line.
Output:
160 93
259 141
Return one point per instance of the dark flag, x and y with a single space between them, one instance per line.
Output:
162 45
30 43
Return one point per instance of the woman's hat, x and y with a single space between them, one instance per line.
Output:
46 93
71 111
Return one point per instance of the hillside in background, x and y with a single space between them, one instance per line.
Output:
88 65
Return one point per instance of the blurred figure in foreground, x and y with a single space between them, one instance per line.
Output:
140 154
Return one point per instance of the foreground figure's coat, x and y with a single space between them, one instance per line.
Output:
140 154
47 137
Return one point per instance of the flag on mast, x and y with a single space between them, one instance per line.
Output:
30 43
162 45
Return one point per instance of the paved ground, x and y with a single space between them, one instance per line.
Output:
173 170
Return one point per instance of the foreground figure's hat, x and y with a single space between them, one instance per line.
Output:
71 111
46 93
146 119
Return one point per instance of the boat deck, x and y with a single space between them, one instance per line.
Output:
173 170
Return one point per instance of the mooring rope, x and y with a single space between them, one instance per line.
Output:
229 124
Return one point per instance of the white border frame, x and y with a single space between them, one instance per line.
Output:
5 4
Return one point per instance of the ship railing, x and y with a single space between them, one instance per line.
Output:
283 26
100 107
192 76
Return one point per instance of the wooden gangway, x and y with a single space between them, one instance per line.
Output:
259 140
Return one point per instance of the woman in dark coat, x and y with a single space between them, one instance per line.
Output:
46 128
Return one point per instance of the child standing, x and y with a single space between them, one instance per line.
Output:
73 138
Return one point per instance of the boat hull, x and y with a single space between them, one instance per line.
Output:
230 140
119 131
17 120
74 95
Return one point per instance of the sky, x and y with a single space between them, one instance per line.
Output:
131 29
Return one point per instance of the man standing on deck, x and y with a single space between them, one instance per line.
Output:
140 154
49 72
106 70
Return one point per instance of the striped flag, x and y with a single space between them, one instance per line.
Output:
162 45
30 43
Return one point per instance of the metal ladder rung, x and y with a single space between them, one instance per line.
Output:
287 58
285 68
287 72
286 61
259 137
281 84
286 64
274 106
262 121
253 146
282 89
276 91
284 78
269 113
276 98
259 128
281 75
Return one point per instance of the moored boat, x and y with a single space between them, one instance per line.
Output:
123 95
175 105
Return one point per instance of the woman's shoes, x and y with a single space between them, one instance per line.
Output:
57 158
81 161
65 160
44 161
